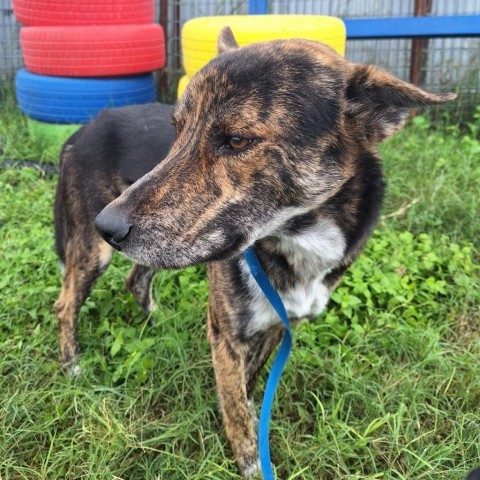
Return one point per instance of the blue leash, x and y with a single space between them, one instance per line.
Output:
278 365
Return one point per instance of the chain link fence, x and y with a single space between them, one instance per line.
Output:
450 64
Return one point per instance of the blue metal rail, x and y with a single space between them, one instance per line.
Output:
404 27
413 27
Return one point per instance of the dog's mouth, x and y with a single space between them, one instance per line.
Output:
174 260
156 250
230 250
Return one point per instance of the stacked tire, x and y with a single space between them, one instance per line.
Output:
82 56
199 36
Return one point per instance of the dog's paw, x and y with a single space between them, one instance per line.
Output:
73 370
252 471
146 303
150 307
71 366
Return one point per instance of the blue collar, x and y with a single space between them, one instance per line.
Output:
278 365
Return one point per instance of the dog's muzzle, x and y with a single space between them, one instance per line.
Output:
114 226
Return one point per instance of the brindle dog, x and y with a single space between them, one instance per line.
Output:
276 148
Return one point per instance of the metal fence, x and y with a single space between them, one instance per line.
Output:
10 54
453 64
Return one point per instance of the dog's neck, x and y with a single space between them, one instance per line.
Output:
305 253
296 258
307 248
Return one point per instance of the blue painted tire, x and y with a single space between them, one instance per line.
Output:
78 100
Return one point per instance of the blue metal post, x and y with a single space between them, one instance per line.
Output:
257 7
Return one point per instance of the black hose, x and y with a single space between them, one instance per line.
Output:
45 169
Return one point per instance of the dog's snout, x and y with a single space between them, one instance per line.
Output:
113 225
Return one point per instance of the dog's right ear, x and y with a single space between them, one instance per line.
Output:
226 41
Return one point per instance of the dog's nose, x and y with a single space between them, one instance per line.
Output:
113 226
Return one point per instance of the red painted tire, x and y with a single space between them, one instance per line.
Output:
93 51
42 13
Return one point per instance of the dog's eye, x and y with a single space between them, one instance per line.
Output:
235 142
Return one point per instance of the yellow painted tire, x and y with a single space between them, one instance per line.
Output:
182 85
199 35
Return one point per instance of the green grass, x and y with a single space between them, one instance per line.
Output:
385 385
17 141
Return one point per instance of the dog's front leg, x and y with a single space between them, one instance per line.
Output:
229 366
139 282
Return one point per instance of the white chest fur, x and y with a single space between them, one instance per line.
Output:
312 254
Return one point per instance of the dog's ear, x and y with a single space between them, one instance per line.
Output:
380 102
226 41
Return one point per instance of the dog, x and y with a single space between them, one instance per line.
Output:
275 148
97 163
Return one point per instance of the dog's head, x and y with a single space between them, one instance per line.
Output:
265 133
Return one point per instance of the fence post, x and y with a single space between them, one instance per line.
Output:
162 81
257 7
419 53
